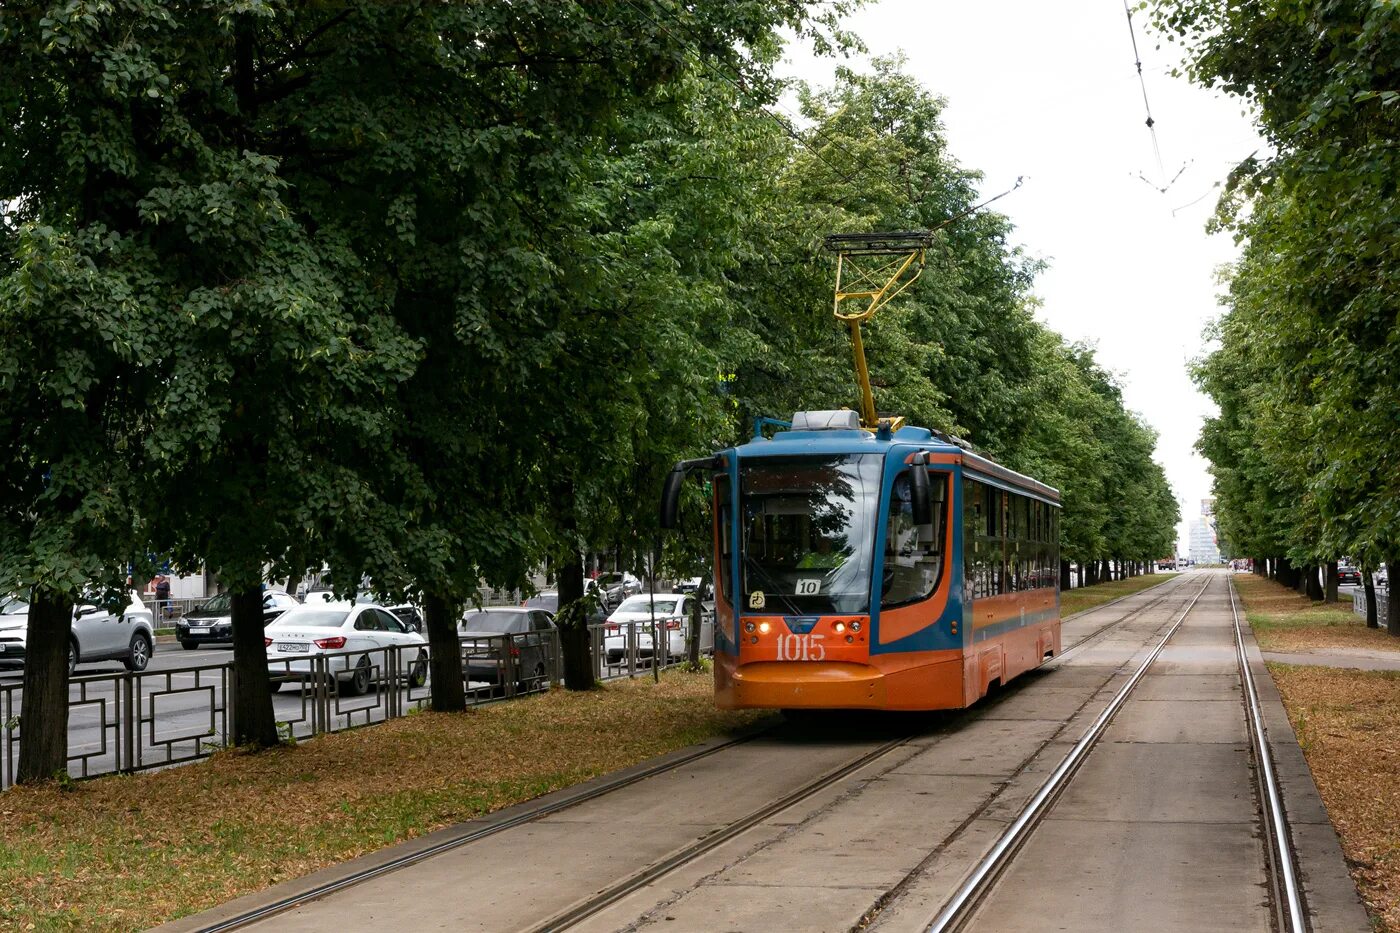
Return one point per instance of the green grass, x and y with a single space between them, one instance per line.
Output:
1082 600
127 853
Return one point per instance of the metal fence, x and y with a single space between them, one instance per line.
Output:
126 722
1358 602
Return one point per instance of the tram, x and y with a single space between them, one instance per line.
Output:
861 563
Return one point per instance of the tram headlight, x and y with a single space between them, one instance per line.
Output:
763 627
839 627
855 626
749 627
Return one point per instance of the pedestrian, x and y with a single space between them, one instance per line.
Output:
163 594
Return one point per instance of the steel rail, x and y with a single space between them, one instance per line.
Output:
615 892
606 787
293 901
1102 629
990 866
1276 823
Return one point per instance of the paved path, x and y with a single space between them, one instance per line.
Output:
1359 659
1158 831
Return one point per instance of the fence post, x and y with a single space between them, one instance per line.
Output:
129 710
631 649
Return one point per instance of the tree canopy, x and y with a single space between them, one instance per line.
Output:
434 295
1304 450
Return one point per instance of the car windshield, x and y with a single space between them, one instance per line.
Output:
310 618
488 621
807 533
664 605
221 603
13 606
548 601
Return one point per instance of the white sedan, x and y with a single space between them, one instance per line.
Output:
672 613
339 630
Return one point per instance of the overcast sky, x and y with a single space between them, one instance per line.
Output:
1049 91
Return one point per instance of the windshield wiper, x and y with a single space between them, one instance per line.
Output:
750 562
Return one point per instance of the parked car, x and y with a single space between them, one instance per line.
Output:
335 628
615 586
1348 575
672 613
548 601
410 616
212 621
97 635
523 633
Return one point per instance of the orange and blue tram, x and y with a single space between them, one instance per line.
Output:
889 569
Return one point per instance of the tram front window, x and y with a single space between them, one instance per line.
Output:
808 530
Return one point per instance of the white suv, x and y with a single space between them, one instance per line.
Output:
97 635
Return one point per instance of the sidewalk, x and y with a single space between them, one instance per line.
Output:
1356 658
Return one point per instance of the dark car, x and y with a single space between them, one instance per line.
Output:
524 635
1348 575
212 621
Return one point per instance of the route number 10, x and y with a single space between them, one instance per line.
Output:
801 648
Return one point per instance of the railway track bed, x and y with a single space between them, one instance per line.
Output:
843 830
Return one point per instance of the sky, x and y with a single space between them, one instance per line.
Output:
1049 91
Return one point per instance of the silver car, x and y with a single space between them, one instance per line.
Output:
97 634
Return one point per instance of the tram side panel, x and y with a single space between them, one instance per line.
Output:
1010 583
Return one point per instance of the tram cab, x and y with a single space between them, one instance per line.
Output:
886 569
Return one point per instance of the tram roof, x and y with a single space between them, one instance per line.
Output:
790 443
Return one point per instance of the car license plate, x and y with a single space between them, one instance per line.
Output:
293 647
199 630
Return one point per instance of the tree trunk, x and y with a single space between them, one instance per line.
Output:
449 694
1369 582
1065 581
1314 586
1392 605
1329 590
573 633
253 722
43 747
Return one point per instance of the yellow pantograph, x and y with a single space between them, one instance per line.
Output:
871 269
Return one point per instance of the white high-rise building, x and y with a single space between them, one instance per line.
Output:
1204 548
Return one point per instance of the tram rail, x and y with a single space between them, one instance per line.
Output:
958 909
603 898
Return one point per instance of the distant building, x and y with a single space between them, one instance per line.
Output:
1203 546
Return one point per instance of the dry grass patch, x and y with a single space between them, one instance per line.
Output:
124 853
1073 601
1283 620
1348 723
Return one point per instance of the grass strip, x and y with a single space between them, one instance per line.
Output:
1285 620
128 852
1072 601
1348 724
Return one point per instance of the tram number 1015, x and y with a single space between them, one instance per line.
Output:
800 648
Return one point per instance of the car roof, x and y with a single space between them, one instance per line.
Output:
504 609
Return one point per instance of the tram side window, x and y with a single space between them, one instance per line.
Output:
984 522
913 553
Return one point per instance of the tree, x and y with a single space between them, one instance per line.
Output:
1307 342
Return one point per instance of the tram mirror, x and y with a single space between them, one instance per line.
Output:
671 495
920 498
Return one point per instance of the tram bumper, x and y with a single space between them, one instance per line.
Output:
804 685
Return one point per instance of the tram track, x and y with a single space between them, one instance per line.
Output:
613 893
959 909
616 891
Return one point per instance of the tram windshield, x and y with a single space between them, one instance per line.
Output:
808 533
